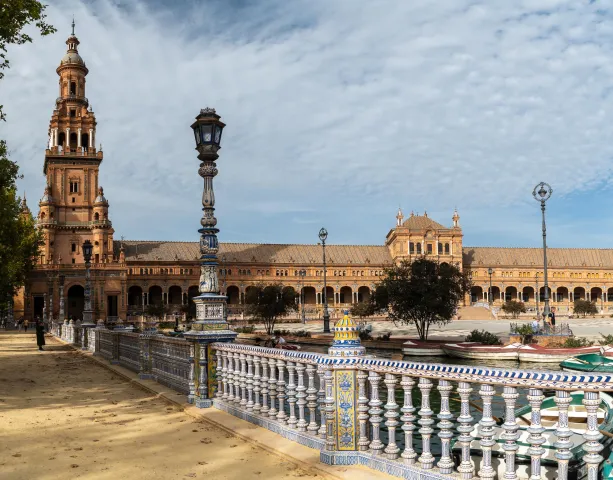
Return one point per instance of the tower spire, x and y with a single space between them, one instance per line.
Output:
73 25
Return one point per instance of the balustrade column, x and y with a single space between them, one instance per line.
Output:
465 428
238 379
425 421
592 447
224 374
391 414
249 381
563 434
330 410
257 406
536 438
230 376
301 397
312 399
291 394
445 464
281 415
408 420
243 377
272 388
264 383
376 446
510 434
220 380
363 440
321 401
486 427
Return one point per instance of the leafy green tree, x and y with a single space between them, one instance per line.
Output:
363 310
267 303
422 293
156 310
514 308
585 307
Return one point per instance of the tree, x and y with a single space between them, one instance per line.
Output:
584 307
14 17
422 292
267 303
514 308
363 310
156 310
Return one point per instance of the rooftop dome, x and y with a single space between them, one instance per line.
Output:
73 58
419 222
47 198
100 198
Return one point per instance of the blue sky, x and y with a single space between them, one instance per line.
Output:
337 113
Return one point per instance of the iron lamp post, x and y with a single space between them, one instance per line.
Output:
301 275
541 193
323 235
489 293
87 311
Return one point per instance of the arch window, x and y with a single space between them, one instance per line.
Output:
440 248
418 248
73 88
446 249
411 247
73 247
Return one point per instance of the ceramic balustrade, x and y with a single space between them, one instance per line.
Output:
129 351
434 420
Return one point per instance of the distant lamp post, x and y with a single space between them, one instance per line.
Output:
323 235
489 293
542 192
301 275
225 273
87 311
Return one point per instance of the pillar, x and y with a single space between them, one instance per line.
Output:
91 138
79 138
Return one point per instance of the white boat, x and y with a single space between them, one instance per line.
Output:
415 348
482 352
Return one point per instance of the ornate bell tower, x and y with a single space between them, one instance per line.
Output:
73 208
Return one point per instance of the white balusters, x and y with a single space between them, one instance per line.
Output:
312 399
363 440
592 447
510 434
281 415
408 419
249 383
330 410
230 376
243 380
445 464
219 372
425 421
264 387
272 388
256 384
376 446
301 397
465 428
486 425
224 373
391 414
536 438
321 401
291 395
563 434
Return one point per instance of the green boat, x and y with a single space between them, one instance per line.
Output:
577 422
588 362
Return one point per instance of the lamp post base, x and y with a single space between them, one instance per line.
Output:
326 322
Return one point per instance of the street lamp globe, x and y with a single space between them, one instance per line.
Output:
490 271
208 128
323 234
87 250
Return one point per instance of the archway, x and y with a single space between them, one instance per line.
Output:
233 295
528 294
510 294
495 294
175 295
476 294
609 295
579 293
346 295
329 295
363 294
562 294
309 296
542 293
192 292
73 141
135 296
155 295
75 302
596 294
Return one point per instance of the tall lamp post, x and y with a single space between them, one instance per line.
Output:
62 318
211 306
323 235
489 292
225 273
542 192
87 311
301 275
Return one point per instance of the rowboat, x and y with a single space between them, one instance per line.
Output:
478 351
415 348
589 362
577 422
536 353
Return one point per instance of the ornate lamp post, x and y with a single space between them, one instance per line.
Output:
62 318
542 192
87 311
301 275
323 235
225 274
211 306
489 292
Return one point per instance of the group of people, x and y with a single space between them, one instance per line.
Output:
549 321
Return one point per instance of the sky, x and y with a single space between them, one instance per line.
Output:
337 113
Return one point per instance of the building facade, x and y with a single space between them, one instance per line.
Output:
127 276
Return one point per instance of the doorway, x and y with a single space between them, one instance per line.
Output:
111 306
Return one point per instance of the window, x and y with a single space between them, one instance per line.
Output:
429 246
73 88
419 248
440 248
73 260
446 249
411 247
74 247
74 188
73 113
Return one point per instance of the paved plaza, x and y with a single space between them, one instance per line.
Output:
63 416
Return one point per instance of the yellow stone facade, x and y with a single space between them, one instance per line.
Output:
129 275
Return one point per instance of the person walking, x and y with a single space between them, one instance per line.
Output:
40 333
26 323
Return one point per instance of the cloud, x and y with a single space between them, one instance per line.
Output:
335 112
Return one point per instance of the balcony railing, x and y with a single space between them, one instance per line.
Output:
72 98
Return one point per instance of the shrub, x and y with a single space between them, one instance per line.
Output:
166 325
385 337
246 329
302 334
364 335
484 337
606 339
583 307
577 342
514 308
523 329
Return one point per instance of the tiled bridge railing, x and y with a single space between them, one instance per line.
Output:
404 418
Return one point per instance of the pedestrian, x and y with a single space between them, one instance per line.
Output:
553 318
26 323
40 333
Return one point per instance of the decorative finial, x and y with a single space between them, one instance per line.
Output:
100 149
207 110
101 192
425 214
73 25
399 217
456 218
346 339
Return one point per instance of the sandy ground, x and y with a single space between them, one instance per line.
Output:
63 416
